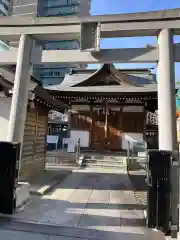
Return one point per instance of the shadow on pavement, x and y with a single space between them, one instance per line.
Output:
17 230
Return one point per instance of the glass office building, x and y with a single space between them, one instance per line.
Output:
61 7
53 74
5 7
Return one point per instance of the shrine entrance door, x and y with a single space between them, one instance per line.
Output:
105 132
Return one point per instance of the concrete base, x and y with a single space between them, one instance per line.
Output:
22 193
142 154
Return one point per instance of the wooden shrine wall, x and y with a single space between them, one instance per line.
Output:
133 122
34 143
118 122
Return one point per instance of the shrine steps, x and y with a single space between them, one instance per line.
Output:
104 161
60 158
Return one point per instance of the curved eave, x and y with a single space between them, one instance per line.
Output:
110 72
90 78
122 78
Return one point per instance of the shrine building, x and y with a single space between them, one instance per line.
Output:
109 107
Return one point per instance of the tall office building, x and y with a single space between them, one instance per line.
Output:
5 10
53 74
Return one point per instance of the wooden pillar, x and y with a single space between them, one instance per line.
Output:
144 132
106 120
69 124
120 125
92 124
120 118
68 112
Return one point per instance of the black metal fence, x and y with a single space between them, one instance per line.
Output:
9 167
159 190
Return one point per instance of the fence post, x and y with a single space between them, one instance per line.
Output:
78 150
158 214
175 194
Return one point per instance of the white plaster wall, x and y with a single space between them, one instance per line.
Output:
132 138
5 105
83 135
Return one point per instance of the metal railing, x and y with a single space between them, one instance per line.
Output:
137 155
135 148
62 156
78 150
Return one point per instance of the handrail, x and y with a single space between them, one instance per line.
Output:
131 154
130 151
78 150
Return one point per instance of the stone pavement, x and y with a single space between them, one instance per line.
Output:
88 204
137 173
48 180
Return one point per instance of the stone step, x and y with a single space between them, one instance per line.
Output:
103 165
57 154
104 157
61 160
103 161
61 157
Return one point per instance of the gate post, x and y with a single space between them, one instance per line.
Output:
167 109
20 91
159 183
166 92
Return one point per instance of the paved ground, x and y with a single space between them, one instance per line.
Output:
49 178
137 173
88 204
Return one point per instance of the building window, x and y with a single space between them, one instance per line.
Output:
61 11
60 3
54 72
61 45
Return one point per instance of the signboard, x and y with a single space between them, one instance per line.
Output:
67 141
71 148
52 139
70 144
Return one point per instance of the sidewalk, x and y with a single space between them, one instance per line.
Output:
96 204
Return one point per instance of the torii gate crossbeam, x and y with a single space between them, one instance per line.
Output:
163 19
64 28
163 24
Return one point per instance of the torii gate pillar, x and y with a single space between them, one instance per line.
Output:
167 115
166 92
20 91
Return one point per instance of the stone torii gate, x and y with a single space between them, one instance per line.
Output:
162 24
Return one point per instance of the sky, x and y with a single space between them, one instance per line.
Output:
101 7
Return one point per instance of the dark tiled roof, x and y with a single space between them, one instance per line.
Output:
7 76
81 81
7 81
110 89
